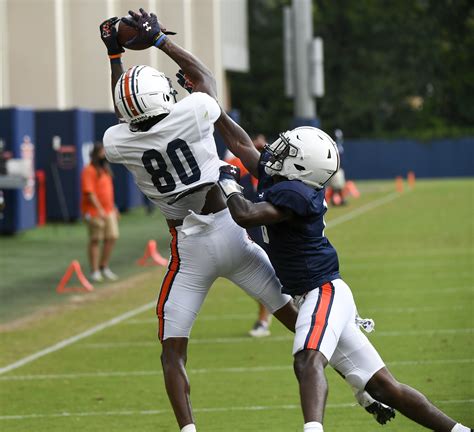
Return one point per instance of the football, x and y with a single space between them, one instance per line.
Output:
126 33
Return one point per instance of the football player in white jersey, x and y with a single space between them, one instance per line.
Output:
169 148
356 357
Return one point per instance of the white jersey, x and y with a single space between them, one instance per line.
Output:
176 154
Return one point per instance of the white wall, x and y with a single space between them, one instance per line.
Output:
51 55
4 88
234 35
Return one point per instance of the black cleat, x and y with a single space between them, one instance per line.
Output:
382 413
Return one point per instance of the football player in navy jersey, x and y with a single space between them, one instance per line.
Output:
292 172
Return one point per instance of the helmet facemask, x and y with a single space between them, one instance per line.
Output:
279 150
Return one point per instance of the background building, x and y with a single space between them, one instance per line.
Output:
52 56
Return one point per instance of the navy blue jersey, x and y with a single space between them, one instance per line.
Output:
303 258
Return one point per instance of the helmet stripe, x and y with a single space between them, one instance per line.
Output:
128 96
122 80
134 88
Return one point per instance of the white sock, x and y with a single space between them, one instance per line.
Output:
313 427
189 428
364 398
458 427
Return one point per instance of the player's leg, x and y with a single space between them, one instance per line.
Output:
359 362
309 370
287 315
250 269
382 413
173 361
410 402
321 319
356 360
182 293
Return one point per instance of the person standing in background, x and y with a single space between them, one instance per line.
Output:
338 180
99 213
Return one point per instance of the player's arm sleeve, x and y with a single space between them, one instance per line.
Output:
300 202
248 214
212 107
238 142
111 152
207 110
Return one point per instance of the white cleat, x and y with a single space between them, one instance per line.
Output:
96 276
109 274
260 329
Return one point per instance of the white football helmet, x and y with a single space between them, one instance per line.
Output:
142 92
305 153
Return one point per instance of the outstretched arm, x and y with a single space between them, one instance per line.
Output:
246 213
152 33
235 138
201 79
238 142
108 34
193 68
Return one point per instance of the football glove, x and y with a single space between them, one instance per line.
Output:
230 172
184 81
228 180
149 29
108 34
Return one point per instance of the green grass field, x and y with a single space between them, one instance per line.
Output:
407 257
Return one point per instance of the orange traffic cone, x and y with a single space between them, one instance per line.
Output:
74 267
351 189
151 253
411 179
399 184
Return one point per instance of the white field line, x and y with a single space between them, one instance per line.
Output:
226 317
66 342
363 209
199 410
273 339
244 317
227 370
358 255
73 339
437 291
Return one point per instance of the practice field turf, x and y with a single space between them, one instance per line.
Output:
92 362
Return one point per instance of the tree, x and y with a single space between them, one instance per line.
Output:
391 67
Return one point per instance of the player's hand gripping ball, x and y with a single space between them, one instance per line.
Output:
127 33
139 31
108 34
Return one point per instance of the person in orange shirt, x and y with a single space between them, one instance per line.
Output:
100 213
